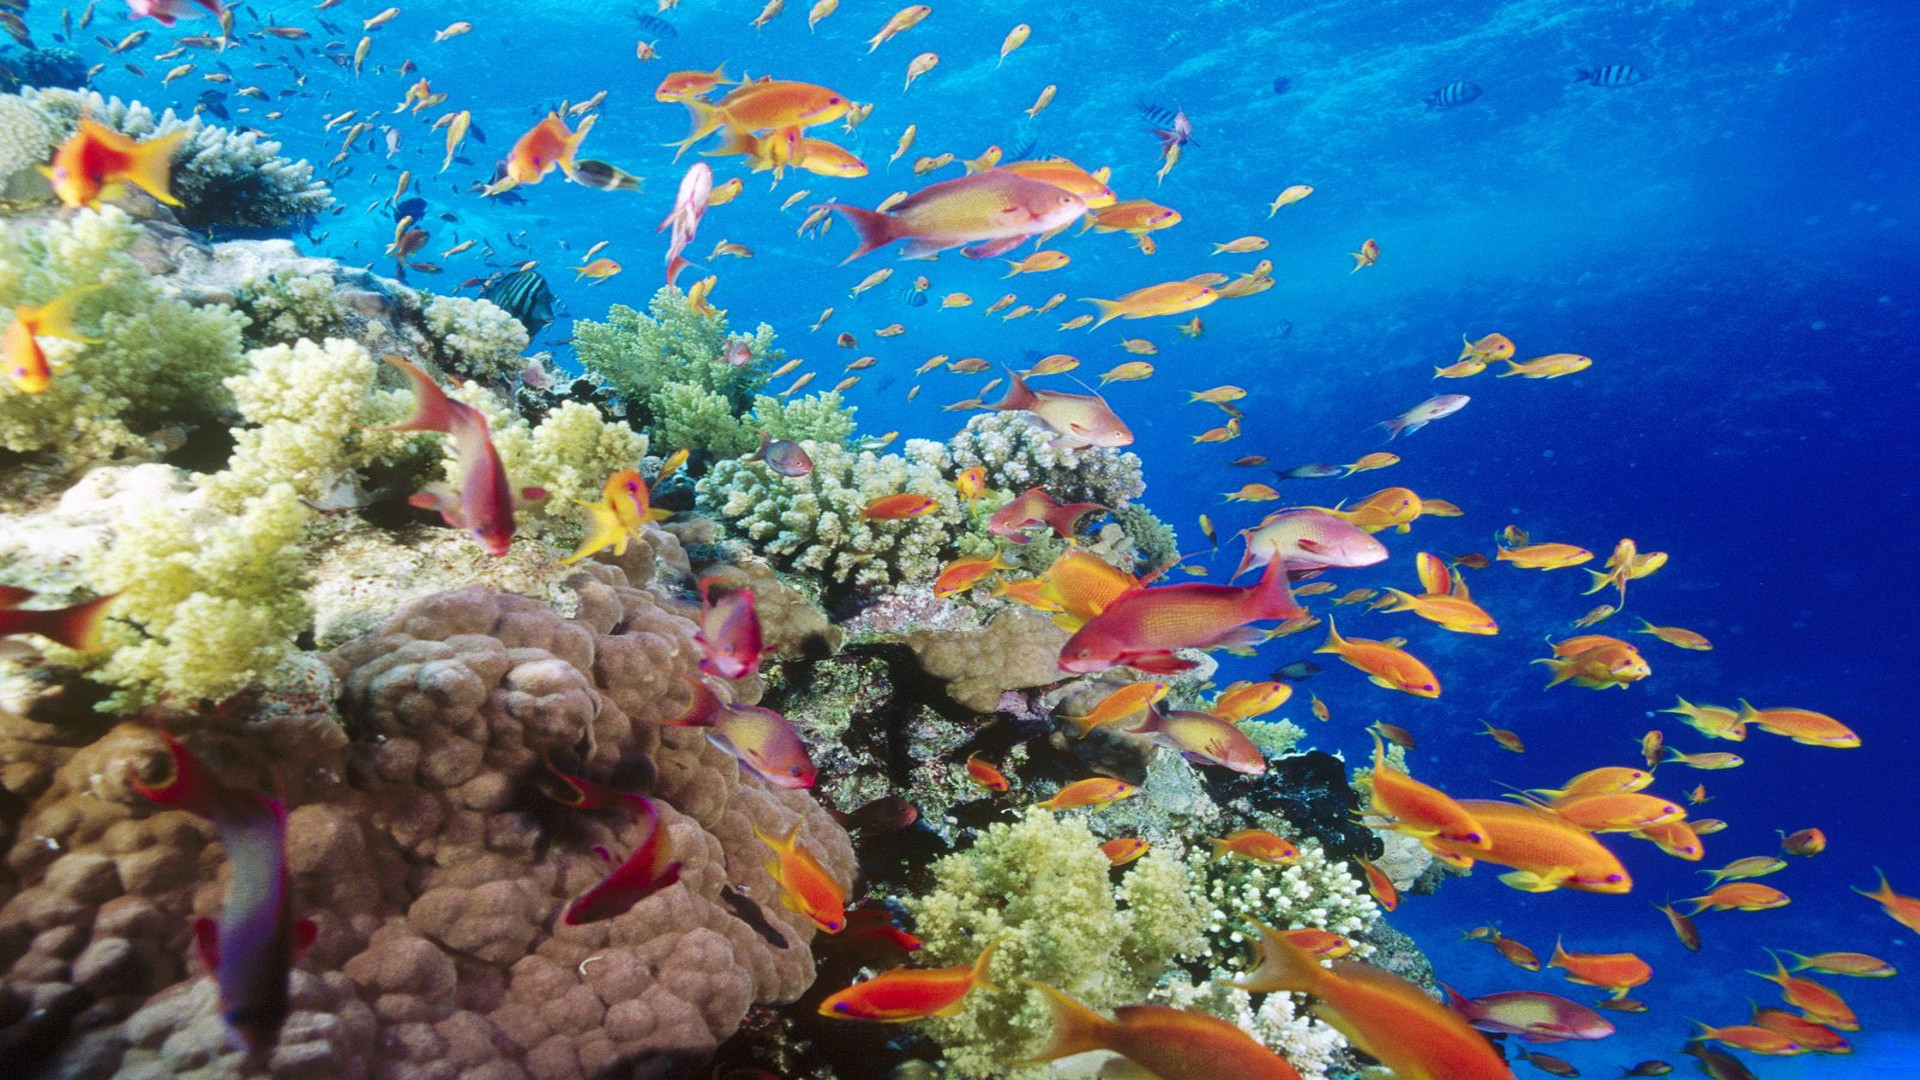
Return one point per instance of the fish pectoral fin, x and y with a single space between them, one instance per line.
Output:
206 942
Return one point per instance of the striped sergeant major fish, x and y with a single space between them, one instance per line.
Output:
1612 75
1455 93
524 295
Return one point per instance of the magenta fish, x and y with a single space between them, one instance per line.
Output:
1309 540
1077 421
1144 626
689 206
783 456
251 949
485 503
738 354
762 739
167 12
729 635
76 626
1424 413
1534 1016
647 869
1036 507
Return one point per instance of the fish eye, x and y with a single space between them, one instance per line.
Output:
841 1006
1614 879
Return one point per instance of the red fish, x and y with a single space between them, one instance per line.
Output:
484 506
783 456
805 885
1036 507
905 504
1534 1016
689 206
997 208
251 949
167 12
76 626
729 634
984 774
1143 627
97 162
646 870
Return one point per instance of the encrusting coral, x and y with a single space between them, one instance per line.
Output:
27 138
224 177
158 366
421 844
1040 888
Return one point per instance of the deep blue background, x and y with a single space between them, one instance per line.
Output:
1732 241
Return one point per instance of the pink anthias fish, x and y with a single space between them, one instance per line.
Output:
1077 421
1424 413
729 635
762 739
1202 738
647 869
485 503
1534 1016
251 949
689 206
167 12
1036 507
1143 626
995 210
1308 540
1178 133
783 456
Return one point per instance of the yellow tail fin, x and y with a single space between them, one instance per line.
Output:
55 317
152 166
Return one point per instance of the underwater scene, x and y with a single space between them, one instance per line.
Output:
763 540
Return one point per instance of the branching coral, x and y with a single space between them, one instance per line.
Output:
1311 1046
160 362
27 138
1233 892
289 303
473 338
814 418
225 177
1040 888
1015 452
814 522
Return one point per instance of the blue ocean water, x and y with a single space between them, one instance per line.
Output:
1732 240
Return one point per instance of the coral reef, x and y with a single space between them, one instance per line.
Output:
425 852
1311 1046
1233 893
814 522
1040 888
1015 650
1016 453
159 364
27 138
224 177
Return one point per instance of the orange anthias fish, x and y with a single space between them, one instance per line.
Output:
1126 701
769 105
985 775
1381 886
1420 810
907 993
1487 350
1244 701
1544 556
1803 726
1595 661
1382 1014
1618 972
1452 612
1545 850
686 84
1167 298
1062 173
1095 791
1858 965
805 885
1124 849
1142 628
26 362
1324 944
1386 666
1815 1001
97 162
1080 585
1162 1041
1256 845
1620 811
546 146
906 504
995 210
1739 896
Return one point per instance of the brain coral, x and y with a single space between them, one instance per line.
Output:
420 843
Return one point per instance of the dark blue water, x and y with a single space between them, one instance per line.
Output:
1732 240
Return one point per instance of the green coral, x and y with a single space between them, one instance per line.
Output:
474 338
287 305
820 417
1154 541
815 522
27 138
1040 887
209 602
569 454
669 367
158 366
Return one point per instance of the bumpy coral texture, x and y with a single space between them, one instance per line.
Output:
1319 892
473 338
27 138
421 844
225 177
1015 650
160 361
1016 454
814 522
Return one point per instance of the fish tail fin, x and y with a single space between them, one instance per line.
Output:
1562 669
1062 518
706 118
1466 348
876 230
1402 601
1019 395
76 627
736 142
981 964
1394 427
1582 75
1109 310
1600 581
1283 966
720 75
705 708
434 410
55 317
1273 597
1513 368
151 167
1334 642
571 146
1076 1028
1800 962
1459 1005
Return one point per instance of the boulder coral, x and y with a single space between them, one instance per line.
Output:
421 843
